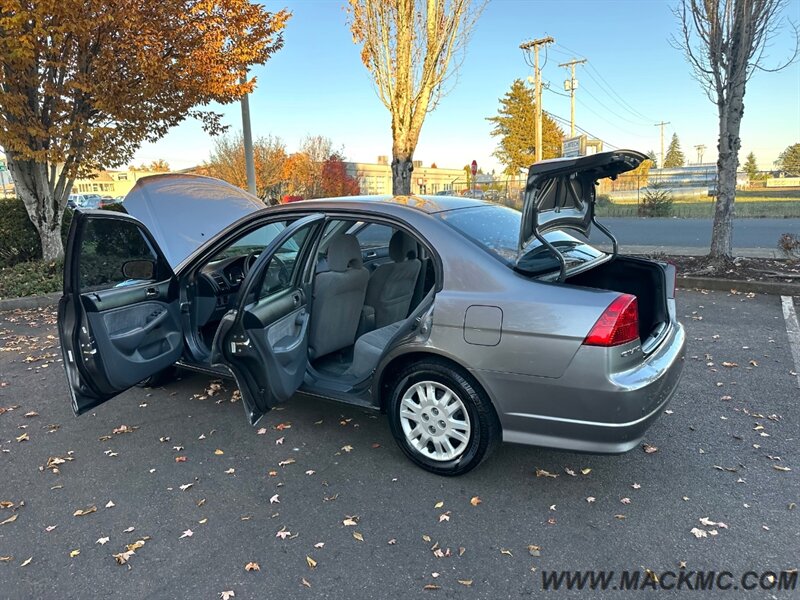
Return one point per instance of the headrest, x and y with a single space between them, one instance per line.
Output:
344 252
401 247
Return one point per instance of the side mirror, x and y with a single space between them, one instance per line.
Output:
139 269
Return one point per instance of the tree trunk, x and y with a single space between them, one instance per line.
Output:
44 202
402 166
731 110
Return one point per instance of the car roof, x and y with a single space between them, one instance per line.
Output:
423 203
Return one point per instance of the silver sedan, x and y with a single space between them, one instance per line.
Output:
468 323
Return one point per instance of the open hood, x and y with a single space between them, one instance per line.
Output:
560 193
185 211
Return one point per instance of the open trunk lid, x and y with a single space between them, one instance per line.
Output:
560 193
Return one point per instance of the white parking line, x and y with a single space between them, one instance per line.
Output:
793 330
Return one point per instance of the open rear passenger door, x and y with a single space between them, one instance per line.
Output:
118 318
264 342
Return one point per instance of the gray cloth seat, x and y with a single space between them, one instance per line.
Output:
338 298
369 348
391 285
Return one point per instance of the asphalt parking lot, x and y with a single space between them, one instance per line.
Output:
321 499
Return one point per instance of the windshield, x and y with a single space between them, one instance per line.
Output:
495 228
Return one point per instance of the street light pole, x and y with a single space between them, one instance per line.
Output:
247 138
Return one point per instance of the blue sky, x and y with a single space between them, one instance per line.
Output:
317 85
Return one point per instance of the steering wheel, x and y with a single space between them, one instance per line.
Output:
277 275
250 260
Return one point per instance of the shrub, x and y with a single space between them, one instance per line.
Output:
790 244
19 242
30 279
603 200
657 201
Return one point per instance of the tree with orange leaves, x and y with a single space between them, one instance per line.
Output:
84 82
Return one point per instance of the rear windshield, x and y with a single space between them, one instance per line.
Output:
495 228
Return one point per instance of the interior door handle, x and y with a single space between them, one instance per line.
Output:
371 254
296 299
151 292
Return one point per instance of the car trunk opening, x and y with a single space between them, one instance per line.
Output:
647 280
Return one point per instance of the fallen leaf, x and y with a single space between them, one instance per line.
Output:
252 566
50 528
230 471
444 517
305 582
392 542
466 582
350 521
186 486
543 473
730 365
698 533
780 468
319 545
274 500
439 504
26 562
282 426
625 500
10 519
475 501
279 441
187 533
227 595
23 438
585 471
534 550
358 536
31 413
102 541
431 586
110 504
82 512
590 499
74 553
180 459
288 461
128 530
218 452
310 472
283 533
347 448
262 431
311 562
506 552
648 449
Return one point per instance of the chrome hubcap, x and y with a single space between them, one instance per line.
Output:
434 420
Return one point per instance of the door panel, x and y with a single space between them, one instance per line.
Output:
265 341
115 330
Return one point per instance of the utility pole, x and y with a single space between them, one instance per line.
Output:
700 149
570 86
247 139
662 140
526 47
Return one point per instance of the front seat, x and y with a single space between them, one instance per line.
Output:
338 297
391 285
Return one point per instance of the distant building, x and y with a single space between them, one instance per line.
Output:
376 178
110 183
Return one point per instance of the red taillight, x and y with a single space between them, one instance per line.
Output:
619 324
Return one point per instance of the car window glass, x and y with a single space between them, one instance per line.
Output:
106 245
374 235
253 242
283 265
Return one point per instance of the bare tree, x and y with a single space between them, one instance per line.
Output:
724 42
411 48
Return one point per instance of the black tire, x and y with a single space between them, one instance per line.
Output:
485 431
163 377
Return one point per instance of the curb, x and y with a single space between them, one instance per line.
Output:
726 285
30 302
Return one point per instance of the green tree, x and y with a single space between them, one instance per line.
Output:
515 125
789 161
674 157
751 166
652 156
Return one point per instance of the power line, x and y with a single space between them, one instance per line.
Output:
596 99
564 121
610 91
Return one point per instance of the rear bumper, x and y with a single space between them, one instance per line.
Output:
588 409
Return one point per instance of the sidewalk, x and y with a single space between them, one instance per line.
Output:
692 251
